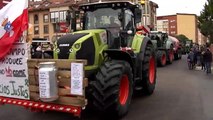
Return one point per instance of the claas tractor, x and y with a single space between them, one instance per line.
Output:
164 47
119 61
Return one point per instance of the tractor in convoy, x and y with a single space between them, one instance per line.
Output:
119 61
177 48
164 47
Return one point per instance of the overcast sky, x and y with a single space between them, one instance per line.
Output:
170 7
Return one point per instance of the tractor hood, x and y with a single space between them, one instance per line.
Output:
80 45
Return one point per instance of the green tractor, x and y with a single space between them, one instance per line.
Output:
120 61
164 47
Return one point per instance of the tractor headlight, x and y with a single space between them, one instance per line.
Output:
77 46
57 50
70 50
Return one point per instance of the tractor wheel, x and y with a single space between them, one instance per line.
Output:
170 55
161 58
179 54
149 70
112 91
176 56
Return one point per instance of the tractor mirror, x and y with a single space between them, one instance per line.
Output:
137 14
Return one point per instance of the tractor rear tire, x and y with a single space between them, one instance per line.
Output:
178 55
161 58
149 71
113 88
170 55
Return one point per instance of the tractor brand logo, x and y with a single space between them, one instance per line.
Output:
64 45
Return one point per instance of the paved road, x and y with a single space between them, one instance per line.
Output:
180 94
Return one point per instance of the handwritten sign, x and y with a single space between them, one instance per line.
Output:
77 78
44 84
14 74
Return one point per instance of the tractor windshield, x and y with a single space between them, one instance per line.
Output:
103 18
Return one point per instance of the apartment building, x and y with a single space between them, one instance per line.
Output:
149 14
180 23
48 18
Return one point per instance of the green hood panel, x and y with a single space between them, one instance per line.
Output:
91 31
90 46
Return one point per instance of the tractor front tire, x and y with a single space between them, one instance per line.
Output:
149 71
161 58
113 88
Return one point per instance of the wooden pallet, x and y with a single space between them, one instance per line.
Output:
64 81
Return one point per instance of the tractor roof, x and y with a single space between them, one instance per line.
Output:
158 32
107 4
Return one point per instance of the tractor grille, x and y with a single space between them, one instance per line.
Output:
87 51
65 43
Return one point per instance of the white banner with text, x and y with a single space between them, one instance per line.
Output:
14 73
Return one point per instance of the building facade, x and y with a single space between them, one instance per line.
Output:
149 14
49 18
185 24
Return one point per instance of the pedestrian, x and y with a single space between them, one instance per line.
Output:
208 60
202 62
190 59
195 56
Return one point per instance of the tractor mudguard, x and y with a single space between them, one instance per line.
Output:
120 55
169 44
141 55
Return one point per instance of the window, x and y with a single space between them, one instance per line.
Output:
46 29
54 17
172 21
46 37
129 24
56 28
100 18
172 26
173 32
36 30
58 16
35 19
63 15
46 18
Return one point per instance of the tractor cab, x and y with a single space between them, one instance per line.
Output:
117 18
160 37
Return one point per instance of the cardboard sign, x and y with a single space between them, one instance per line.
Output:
77 76
44 84
14 73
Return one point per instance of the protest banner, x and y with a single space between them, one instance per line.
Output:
14 73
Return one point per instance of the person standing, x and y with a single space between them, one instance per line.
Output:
202 60
195 56
190 60
208 60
